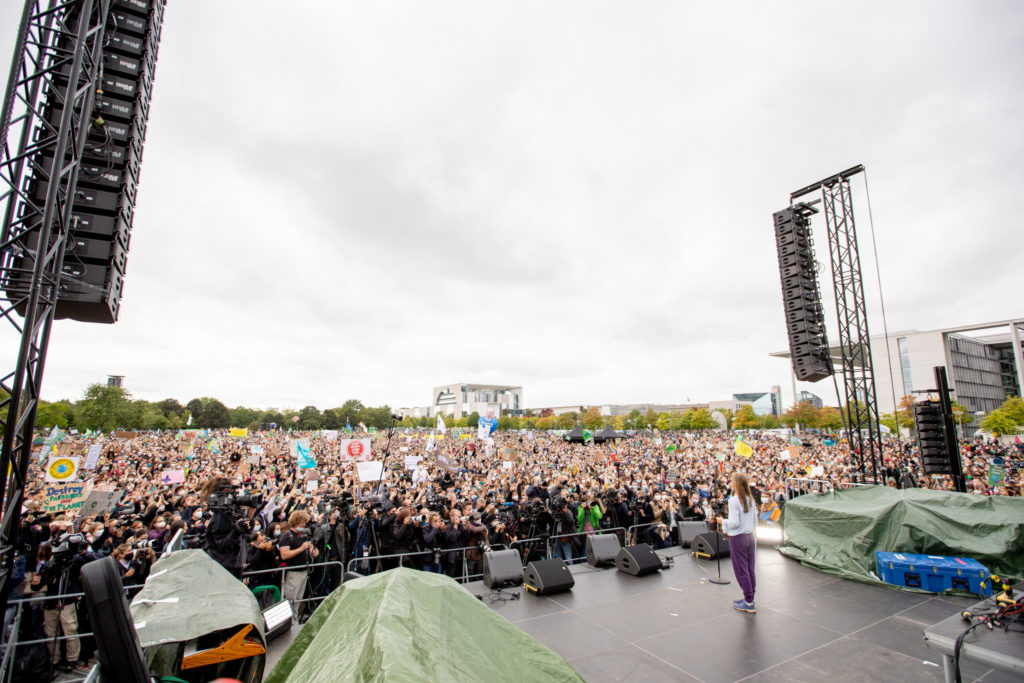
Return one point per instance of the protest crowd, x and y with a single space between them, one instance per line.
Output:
268 505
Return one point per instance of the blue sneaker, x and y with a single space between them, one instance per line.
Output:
744 606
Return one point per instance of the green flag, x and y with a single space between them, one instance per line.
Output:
671 447
587 436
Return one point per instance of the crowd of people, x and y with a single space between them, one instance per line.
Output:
437 504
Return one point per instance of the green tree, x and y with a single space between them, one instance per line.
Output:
272 417
309 418
999 422
473 420
504 422
545 423
531 422
106 408
663 421
209 413
769 422
242 416
1014 407
746 418
566 421
330 419
829 419
635 420
350 412
650 420
50 415
151 417
593 420
701 419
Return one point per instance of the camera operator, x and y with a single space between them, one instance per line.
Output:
476 536
224 533
563 523
454 537
296 550
331 539
60 574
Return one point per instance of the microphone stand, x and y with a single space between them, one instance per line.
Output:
718 538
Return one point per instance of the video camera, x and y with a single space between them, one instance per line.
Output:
66 547
230 499
342 503
436 503
532 513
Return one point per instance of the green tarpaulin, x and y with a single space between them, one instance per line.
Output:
406 625
840 532
188 595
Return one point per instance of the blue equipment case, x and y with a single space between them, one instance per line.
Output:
933 573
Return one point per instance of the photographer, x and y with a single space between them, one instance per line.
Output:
59 575
296 550
476 536
563 523
588 517
454 537
432 535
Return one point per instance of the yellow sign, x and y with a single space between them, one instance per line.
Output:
238 432
60 468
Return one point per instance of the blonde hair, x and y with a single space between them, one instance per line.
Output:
741 487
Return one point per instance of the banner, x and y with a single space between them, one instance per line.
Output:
100 502
172 477
743 448
64 498
446 464
330 434
411 461
355 450
235 431
93 456
125 435
61 468
370 471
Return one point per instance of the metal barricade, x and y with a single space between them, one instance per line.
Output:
306 567
631 532
464 575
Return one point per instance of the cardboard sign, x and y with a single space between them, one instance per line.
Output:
64 498
411 461
61 468
100 502
330 434
125 435
354 450
370 471
672 476
446 464
93 456
312 474
312 485
253 460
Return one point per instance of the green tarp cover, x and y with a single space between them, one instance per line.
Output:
840 532
407 625
188 595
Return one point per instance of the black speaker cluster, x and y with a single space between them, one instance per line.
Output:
805 317
96 255
931 438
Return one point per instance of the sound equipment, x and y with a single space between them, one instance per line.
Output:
120 656
503 568
602 549
687 531
931 438
708 546
544 577
805 319
638 560
277 620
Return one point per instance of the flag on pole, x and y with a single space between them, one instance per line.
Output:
588 436
348 427
743 448
430 443
189 422
440 424
362 426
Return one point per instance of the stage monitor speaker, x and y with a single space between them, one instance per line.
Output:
503 568
687 531
602 549
638 560
120 656
544 577
707 545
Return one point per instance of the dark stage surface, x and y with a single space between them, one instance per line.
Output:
675 626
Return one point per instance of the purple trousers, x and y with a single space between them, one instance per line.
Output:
741 549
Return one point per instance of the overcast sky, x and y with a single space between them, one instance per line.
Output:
369 199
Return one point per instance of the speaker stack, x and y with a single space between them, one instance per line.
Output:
544 577
503 568
638 560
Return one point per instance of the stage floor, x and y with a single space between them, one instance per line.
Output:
676 626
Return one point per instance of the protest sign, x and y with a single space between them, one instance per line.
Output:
256 450
784 454
93 456
66 497
671 476
61 468
411 461
312 485
370 471
446 464
506 465
100 502
330 434
172 477
253 460
312 474
354 450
